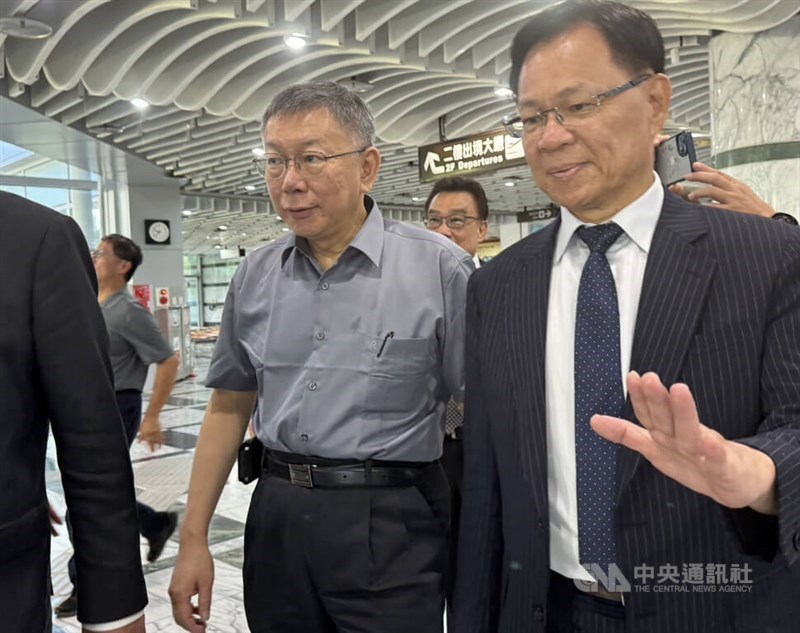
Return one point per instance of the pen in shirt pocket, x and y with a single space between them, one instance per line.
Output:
385 338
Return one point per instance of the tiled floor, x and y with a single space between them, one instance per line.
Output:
162 480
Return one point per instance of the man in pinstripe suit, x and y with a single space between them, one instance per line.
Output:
705 495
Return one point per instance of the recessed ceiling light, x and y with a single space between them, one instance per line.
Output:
250 187
217 246
510 183
257 151
285 229
416 199
294 41
223 227
186 212
503 91
141 104
244 234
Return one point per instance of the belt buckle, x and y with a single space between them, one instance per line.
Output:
300 475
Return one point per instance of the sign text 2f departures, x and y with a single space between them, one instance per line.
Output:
474 154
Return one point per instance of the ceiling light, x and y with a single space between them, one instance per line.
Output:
285 229
294 41
416 198
141 104
25 28
509 183
244 234
250 187
186 212
223 227
217 246
504 92
257 151
357 85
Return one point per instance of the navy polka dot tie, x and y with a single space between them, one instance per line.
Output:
598 389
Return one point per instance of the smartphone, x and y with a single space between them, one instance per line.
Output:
675 157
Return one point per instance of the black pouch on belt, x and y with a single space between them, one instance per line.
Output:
250 454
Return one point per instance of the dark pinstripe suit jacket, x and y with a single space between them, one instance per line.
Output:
720 311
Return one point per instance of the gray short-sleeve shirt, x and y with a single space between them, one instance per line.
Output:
136 341
356 362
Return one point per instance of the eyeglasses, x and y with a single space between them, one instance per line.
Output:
274 166
567 115
433 222
98 253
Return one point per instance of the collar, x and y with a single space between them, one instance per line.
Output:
638 220
368 240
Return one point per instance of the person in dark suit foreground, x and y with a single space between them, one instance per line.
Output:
54 367
632 429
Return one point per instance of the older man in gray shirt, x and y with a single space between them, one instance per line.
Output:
348 333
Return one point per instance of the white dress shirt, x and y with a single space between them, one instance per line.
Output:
476 261
627 258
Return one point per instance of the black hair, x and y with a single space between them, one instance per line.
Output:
467 185
632 35
126 249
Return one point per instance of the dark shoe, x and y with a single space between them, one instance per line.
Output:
68 608
157 544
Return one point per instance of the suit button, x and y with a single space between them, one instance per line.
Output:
540 525
539 613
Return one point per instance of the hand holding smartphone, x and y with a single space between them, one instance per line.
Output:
675 157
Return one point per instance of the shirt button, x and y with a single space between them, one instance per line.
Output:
312 386
304 437
320 336
324 285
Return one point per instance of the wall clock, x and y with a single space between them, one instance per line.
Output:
156 232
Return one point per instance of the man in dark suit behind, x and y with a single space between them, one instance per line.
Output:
54 367
682 498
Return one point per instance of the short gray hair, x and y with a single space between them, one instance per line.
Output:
345 105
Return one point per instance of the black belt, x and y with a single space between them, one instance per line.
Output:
307 474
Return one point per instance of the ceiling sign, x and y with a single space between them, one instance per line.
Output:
488 151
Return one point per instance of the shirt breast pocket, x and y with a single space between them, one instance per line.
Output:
402 377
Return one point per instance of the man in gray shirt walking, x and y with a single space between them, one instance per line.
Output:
136 342
348 333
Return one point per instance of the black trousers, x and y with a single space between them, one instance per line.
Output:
453 463
346 560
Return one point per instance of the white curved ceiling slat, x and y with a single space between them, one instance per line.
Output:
238 89
76 51
452 24
412 20
371 16
195 59
106 71
25 58
203 87
334 11
209 67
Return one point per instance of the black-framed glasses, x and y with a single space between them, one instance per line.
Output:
569 114
456 222
274 166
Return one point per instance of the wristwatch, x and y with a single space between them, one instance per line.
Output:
785 217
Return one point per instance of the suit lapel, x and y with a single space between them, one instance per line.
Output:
525 326
674 292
